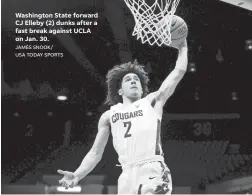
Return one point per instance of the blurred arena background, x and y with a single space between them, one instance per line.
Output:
50 108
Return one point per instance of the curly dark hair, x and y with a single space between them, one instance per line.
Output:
115 76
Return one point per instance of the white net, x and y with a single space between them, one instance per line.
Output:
153 22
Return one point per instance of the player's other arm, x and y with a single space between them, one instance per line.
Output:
169 85
93 156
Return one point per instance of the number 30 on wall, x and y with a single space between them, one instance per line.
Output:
202 127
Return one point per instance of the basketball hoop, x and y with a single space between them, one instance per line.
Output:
153 22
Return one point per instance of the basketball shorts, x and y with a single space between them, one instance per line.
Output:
146 178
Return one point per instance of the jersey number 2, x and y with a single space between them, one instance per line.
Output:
128 125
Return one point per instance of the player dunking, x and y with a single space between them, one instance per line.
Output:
134 121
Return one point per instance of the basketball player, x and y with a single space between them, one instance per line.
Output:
134 121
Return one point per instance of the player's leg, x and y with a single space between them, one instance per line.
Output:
122 183
155 179
125 182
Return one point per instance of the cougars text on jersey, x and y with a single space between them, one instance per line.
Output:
126 115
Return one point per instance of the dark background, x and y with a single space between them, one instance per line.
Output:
212 26
217 46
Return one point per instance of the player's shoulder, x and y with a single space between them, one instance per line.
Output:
105 118
105 115
116 106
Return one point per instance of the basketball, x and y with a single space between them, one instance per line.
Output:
179 30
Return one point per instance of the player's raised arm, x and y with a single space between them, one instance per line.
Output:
93 156
170 83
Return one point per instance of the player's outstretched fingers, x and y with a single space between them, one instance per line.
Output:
71 184
67 173
61 181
